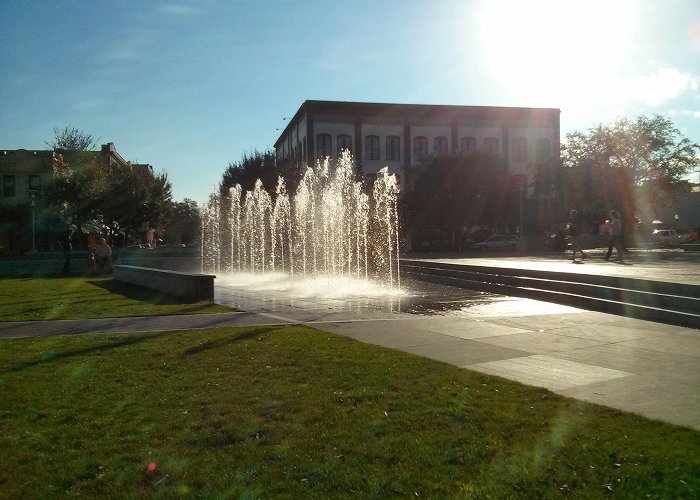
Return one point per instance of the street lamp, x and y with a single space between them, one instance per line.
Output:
32 204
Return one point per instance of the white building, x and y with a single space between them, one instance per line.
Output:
400 135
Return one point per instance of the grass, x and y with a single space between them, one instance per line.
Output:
298 413
26 299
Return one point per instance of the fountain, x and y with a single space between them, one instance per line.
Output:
330 230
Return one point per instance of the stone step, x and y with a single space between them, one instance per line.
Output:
672 303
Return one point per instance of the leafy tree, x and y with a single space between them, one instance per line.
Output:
135 197
249 169
611 166
651 148
159 202
71 139
78 181
185 222
77 187
453 191
263 166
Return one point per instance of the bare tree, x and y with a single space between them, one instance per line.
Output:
71 138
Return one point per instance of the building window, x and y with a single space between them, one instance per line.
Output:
344 142
303 149
323 145
542 149
467 144
34 183
8 186
491 144
420 147
440 145
393 147
372 147
520 149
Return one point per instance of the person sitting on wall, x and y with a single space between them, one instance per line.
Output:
103 254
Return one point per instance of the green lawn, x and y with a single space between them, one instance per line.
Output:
299 413
25 299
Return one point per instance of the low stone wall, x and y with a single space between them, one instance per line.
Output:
42 264
190 286
48 263
156 261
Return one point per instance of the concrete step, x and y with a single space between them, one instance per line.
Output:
665 302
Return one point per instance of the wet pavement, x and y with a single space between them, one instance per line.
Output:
671 265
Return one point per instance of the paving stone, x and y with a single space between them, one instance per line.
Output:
538 342
626 357
645 395
463 352
471 329
549 372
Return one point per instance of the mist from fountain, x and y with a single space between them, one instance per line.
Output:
330 230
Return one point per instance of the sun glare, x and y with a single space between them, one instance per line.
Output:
545 50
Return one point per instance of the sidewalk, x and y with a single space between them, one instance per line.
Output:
648 368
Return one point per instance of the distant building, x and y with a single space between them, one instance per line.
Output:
24 171
400 135
24 175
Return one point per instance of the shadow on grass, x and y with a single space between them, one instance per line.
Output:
106 346
138 293
215 344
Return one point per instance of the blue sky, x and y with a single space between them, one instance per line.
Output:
189 86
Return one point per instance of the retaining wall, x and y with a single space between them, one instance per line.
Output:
190 286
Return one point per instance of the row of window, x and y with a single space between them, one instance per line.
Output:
9 185
420 146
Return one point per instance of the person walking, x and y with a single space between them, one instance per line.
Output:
103 254
615 237
573 231
66 245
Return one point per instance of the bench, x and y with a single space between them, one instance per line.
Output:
190 286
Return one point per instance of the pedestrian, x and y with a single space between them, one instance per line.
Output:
65 242
103 254
615 237
91 264
573 231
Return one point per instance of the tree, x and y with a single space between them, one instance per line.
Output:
263 166
133 198
612 166
71 138
160 200
77 188
451 192
79 179
185 222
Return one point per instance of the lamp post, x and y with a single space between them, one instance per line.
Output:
32 204
520 195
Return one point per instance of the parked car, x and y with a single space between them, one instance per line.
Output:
665 237
497 242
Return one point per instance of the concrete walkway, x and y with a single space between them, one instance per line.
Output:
648 368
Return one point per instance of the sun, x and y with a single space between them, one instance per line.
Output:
546 49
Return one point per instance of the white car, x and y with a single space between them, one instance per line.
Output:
497 242
665 237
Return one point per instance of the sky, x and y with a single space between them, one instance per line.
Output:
191 86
